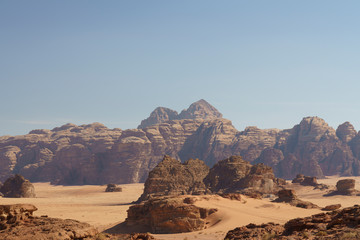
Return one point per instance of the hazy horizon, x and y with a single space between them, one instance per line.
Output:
260 63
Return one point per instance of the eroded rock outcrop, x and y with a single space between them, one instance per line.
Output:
111 187
289 196
345 187
171 177
168 215
339 224
18 223
197 110
18 187
234 174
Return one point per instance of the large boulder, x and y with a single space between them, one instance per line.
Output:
171 177
18 187
111 187
168 215
345 187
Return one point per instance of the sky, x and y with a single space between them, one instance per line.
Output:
260 63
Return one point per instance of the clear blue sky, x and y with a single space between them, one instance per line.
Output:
263 63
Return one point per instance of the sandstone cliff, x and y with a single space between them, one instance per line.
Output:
94 154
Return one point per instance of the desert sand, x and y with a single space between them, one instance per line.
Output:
102 209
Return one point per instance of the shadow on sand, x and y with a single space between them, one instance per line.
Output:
125 229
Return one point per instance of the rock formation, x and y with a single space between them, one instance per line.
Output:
198 110
305 180
337 224
94 154
113 188
231 175
159 115
171 177
17 222
168 215
331 207
345 187
18 187
234 174
289 196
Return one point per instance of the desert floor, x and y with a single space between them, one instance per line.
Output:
93 205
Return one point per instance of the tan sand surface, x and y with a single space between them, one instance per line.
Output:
103 210
88 203
316 196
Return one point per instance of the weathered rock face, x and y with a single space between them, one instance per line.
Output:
198 110
345 187
171 177
94 154
346 132
342 224
168 215
159 115
11 214
305 180
17 222
18 187
236 175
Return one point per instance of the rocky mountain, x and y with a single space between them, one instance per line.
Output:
94 154
198 110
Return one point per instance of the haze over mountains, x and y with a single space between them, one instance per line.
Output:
94 154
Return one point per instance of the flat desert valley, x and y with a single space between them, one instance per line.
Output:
104 210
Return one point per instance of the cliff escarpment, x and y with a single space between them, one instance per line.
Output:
95 154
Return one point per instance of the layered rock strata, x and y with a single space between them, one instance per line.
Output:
94 154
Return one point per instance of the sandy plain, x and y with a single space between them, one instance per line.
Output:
104 210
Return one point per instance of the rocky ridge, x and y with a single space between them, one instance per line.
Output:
94 154
229 176
338 224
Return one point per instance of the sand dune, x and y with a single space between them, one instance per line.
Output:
103 210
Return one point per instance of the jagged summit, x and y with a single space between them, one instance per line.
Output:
197 110
200 109
159 115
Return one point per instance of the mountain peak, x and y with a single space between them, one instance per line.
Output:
197 110
200 109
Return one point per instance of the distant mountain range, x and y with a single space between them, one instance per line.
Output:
94 154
